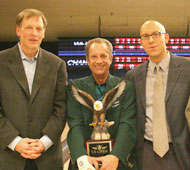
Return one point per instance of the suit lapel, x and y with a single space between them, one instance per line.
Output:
16 67
111 82
42 69
141 83
173 75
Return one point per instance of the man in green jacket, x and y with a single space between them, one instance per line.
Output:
122 112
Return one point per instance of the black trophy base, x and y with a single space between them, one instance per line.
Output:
96 148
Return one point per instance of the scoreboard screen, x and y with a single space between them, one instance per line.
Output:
127 52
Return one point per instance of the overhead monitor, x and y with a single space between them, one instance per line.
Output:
127 52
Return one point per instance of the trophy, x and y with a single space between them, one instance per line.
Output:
100 143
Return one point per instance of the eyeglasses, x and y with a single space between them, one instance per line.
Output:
154 35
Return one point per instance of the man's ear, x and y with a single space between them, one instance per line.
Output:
17 31
111 58
87 59
167 37
44 33
141 42
43 36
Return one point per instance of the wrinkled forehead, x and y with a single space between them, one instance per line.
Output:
30 19
150 27
98 46
95 44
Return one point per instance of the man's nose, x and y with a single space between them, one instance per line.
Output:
99 60
34 31
151 39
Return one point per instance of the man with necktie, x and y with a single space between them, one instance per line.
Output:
162 91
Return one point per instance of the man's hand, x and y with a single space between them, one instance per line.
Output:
37 146
109 162
93 161
28 148
84 164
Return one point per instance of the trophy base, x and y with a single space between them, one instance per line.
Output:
97 148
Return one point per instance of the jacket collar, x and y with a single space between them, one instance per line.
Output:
90 85
16 67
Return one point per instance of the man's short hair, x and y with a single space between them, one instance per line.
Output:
99 40
27 13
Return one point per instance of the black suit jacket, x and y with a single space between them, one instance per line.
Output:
177 94
35 115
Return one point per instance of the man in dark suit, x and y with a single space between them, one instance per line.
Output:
122 157
32 100
175 152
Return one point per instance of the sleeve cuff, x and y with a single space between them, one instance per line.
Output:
13 144
46 141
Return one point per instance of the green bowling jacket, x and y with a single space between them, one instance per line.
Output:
122 112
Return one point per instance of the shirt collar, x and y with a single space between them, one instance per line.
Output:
23 56
163 64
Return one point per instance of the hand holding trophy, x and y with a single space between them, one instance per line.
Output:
100 143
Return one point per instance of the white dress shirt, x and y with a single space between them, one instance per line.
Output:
150 78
